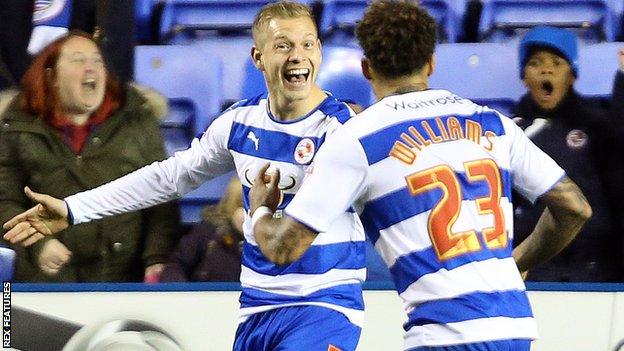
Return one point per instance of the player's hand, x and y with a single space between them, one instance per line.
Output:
53 257
524 275
48 217
264 190
621 59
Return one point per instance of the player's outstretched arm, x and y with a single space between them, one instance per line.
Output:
566 212
48 217
284 240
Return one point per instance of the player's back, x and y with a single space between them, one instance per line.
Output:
438 209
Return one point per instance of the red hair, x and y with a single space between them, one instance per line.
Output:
38 96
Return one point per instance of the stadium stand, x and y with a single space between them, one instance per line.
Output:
183 73
144 10
191 78
341 74
597 66
592 20
7 260
339 17
484 72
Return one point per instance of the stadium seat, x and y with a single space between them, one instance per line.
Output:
341 75
192 204
191 79
484 72
593 20
178 127
339 17
597 66
253 81
143 15
183 73
182 17
7 261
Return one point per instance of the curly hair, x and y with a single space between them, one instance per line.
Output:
398 37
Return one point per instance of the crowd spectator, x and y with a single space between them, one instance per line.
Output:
211 251
586 139
73 127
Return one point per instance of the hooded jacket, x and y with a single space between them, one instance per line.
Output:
117 248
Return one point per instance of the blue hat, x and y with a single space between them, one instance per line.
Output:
561 40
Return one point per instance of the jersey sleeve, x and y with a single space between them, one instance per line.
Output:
533 171
159 182
338 179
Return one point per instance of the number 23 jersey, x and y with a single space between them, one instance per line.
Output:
431 176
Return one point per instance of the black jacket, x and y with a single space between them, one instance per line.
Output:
586 139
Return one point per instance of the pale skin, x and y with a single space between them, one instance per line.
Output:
283 47
287 46
285 240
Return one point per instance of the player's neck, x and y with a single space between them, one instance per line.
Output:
406 84
285 110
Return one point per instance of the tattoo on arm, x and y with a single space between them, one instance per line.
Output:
284 240
566 213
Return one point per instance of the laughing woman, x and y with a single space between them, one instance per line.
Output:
71 128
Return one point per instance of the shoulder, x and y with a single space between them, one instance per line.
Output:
340 110
254 101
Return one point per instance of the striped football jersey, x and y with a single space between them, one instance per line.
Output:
244 138
431 176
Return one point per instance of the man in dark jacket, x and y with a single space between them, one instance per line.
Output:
585 138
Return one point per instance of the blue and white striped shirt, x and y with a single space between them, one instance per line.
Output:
244 138
431 176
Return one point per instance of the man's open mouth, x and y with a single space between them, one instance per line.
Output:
297 75
547 87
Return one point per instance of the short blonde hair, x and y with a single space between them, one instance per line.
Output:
280 9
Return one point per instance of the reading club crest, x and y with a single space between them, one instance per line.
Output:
304 152
576 139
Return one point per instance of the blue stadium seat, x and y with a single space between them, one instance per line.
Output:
234 51
593 20
178 126
179 17
192 204
341 75
597 66
183 73
7 261
484 72
191 79
339 17
253 81
143 15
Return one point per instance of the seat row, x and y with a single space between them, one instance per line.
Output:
498 20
